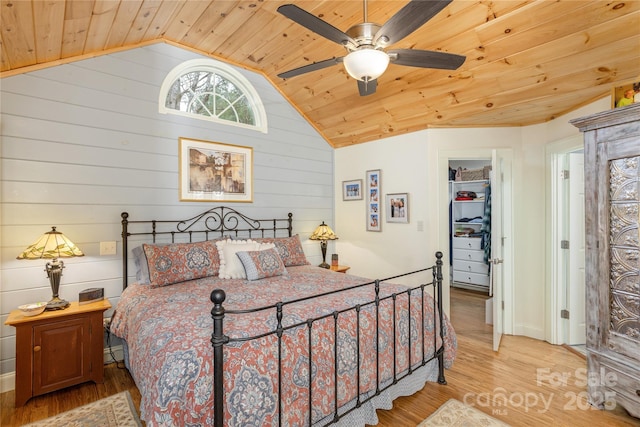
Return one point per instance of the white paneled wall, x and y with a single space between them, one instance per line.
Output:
83 142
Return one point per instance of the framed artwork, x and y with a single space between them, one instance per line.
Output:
352 190
397 206
625 93
373 195
214 172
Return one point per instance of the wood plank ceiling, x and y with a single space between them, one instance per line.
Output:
527 61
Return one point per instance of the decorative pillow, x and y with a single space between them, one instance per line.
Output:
230 265
261 264
289 249
179 262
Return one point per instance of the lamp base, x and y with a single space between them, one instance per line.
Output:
57 304
54 272
324 265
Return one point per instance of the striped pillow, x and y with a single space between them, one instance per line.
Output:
262 264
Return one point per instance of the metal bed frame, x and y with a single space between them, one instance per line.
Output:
224 221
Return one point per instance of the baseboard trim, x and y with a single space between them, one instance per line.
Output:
529 331
118 354
574 351
8 380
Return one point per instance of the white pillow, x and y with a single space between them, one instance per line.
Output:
230 265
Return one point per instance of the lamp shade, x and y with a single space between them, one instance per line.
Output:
323 232
366 64
52 244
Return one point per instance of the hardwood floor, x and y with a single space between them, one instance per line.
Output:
516 384
40 407
486 379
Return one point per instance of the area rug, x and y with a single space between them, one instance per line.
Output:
456 414
113 411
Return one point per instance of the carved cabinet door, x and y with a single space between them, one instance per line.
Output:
621 163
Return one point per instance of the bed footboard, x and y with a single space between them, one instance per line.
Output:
429 351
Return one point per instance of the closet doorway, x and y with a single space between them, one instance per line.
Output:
499 311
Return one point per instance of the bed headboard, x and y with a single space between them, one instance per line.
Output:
217 222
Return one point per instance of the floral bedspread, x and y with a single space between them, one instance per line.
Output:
168 333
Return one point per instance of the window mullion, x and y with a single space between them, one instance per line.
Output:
198 80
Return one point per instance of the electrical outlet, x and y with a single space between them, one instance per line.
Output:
107 248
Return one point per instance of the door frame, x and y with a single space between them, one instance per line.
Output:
443 226
555 285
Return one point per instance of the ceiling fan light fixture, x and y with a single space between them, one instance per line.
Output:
366 64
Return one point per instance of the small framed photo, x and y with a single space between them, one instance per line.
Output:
625 93
397 205
373 195
211 171
352 190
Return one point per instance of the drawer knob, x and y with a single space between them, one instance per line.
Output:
37 349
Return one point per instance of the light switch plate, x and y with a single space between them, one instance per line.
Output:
107 248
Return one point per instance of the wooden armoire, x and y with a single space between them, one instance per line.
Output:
612 264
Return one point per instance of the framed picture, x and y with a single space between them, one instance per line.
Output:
373 195
625 93
211 171
352 190
397 206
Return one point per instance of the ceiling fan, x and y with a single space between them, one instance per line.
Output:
367 58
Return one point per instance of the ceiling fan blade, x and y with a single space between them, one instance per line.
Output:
315 24
408 19
311 67
367 88
426 58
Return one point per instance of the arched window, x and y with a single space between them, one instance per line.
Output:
210 90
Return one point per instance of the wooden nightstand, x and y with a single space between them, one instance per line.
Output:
340 268
58 349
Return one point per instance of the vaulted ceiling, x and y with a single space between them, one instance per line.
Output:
526 61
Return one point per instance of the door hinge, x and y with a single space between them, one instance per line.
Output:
502 304
564 244
565 174
564 314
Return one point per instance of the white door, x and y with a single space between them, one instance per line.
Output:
576 280
500 240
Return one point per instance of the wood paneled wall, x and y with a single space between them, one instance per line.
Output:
83 142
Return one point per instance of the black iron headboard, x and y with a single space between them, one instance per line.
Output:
219 221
